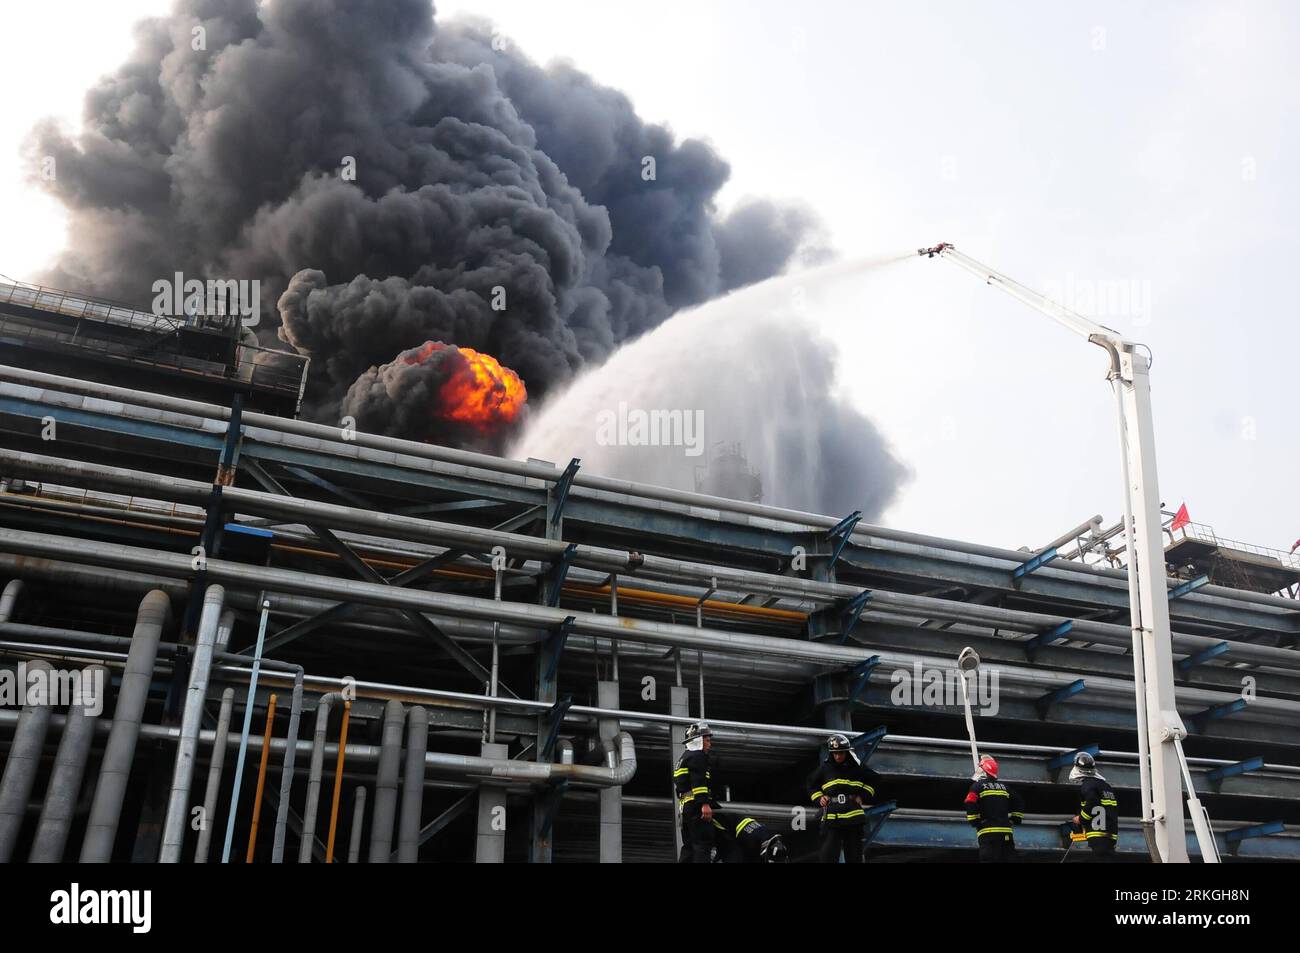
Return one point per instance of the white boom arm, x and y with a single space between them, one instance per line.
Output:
1159 727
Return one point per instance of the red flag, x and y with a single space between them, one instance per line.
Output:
1181 518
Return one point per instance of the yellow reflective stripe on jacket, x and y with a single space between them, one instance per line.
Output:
972 817
837 817
849 781
703 790
817 795
1092 834
741 825
680 771
993 830
1106 803
992 791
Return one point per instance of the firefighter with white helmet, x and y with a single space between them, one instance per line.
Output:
694 783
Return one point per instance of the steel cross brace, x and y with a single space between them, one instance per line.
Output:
562 487
839 535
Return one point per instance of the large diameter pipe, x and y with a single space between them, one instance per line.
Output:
215 767
108 399
323 706
390 763
177 819
69 768
24 760
358 819
595 558
119 753
9 598
240 575
286 769
417 745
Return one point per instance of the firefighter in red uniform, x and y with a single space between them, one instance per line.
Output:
993 809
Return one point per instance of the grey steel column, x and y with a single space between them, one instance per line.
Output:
679 704
21 766
490 844
611 799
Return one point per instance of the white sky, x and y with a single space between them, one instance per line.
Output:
1066 144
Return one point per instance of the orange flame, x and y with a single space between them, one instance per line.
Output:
480 392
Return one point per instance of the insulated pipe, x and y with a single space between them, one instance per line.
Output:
24 760
9 598
595 558
69 768
174 827
338 781
417 744
390 763
214 775
687 637
358 819
323 706
108 399
261 777
286 768
119 753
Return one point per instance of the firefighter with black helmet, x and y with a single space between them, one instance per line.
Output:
694 784
993 809
843 787
1098 817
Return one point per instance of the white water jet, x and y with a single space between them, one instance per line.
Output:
755 368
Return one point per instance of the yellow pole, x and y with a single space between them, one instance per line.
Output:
338 782
261 778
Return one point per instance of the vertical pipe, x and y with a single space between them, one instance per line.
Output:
358 819
417 743
261 779
390 763
69 768
314 775
286 769
248 724
9 598
490 842
173 838
119 753
611 799
679 704
338 781
214 775
23 761
613 610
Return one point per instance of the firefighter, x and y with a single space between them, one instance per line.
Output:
1098 817
694 784
992 809
843 787
743 840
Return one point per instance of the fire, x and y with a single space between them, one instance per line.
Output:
479 391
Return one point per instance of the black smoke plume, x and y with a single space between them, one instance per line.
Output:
496 204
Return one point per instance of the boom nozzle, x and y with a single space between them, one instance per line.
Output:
931 252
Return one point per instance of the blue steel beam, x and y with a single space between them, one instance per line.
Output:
839 535
1032 645
1037 562
1044 703
1191 586
1217 776
1202 718
1203 656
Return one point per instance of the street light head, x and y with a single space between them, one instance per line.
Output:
968 660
